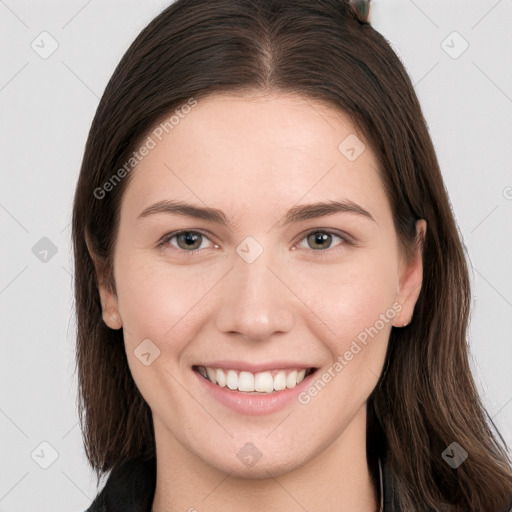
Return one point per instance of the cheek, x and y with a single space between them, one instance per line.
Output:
354 303
161 301
352 295
358 308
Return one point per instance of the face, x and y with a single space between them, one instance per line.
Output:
265 292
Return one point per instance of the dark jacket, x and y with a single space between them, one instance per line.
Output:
130 487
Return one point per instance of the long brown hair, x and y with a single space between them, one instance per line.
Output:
324 50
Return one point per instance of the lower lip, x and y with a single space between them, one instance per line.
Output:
254 405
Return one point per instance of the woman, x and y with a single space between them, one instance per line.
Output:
272 295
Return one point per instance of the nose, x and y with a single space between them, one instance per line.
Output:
256 301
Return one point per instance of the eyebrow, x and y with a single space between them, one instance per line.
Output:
293 215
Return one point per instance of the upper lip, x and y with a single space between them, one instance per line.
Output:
255 367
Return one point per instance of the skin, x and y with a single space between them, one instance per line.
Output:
254 157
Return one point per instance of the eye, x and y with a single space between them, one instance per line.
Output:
187 240
191 241
322 239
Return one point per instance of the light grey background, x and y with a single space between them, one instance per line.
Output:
46 107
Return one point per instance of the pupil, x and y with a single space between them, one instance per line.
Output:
190 238
321 238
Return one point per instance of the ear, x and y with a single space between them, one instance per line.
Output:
410 278
109 304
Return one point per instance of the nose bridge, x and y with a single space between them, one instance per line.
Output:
255 302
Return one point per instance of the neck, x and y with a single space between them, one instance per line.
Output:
338 478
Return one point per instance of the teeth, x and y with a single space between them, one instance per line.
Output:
232 379
291 380
264 382
211 375
280 381
248 382
220 378
245 381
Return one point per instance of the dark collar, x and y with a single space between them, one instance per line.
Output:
130 487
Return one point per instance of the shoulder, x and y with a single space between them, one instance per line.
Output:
96 506
130 487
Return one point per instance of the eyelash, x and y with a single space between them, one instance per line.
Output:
345 240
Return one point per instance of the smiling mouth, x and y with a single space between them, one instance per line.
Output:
265 382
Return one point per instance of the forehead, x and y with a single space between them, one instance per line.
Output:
262 152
